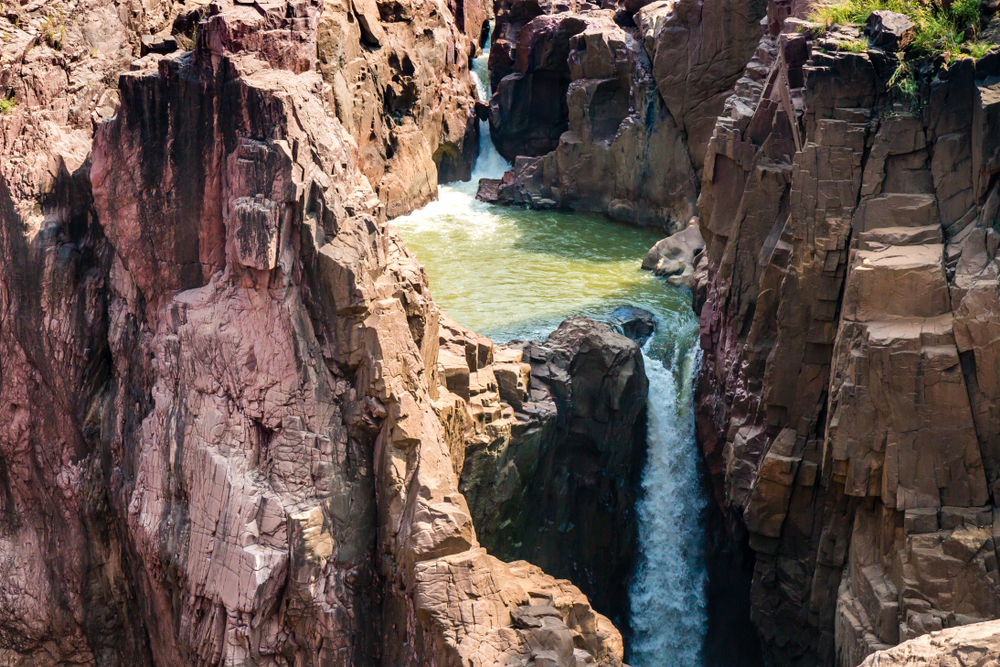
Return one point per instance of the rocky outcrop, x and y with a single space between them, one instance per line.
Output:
976 644
614 149
675 256
398 78
219 378
637 324
699 49
637 94
845 408
555 481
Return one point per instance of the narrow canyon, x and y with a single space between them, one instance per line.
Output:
554 333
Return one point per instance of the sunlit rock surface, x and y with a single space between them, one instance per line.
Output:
219 365
846 408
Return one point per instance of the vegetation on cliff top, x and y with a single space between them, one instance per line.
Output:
951 28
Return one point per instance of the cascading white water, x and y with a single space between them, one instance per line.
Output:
668 591
490 163
516 273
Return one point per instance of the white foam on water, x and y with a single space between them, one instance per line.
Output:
668 591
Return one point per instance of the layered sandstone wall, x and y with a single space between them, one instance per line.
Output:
849 316
219 378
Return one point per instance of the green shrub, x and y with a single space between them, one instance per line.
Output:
977 49
7 105
904 82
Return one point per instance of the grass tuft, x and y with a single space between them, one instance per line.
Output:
950 30
904 82
7 104
977 49
853 46
54 29
939 30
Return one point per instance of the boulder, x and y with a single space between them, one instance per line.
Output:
488 190
637 324
891 31
582 422
161 44
674 256
971 644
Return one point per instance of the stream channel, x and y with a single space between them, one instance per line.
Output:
511 273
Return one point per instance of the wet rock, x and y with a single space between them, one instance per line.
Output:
488 190
635 323
674 256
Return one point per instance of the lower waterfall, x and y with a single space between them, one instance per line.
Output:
668 591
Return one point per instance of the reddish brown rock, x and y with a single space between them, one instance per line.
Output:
698 49
529 111
216 354
842 406
621 153
400 85
618 118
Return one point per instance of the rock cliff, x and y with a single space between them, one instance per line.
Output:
398 77
220 393
848 295
558 488
611 110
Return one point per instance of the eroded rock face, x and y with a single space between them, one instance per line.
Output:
613 148
557 483
638 89
398 77
675 256
845 413
219 379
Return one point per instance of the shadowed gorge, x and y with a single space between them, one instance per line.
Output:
513 333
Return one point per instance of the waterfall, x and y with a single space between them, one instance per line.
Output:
668 591
490 163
